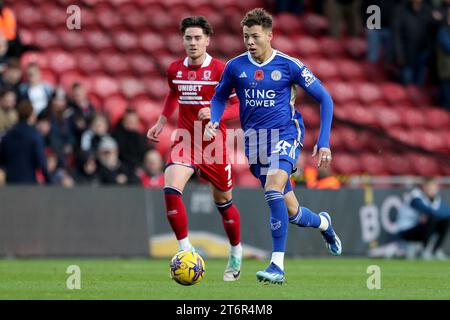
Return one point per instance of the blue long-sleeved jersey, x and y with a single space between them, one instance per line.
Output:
267 93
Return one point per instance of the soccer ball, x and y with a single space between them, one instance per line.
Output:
187 268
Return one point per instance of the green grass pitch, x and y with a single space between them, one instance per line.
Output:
334 278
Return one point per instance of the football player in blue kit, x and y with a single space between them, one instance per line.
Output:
265 81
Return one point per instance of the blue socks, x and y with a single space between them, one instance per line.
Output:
305 218
278 219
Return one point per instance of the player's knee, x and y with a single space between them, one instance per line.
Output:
273 186
222 197
172 190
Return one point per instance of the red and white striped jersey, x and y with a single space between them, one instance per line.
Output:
194 88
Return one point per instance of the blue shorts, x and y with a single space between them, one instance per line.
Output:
284 157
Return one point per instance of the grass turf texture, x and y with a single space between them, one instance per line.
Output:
338 278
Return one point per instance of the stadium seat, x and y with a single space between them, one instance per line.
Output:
368 93
131 87
61 61
28 17
160 21
350 70
104 86
412 118
53 16
174 44
401 135
373 164
108 18
353 144
398 164
148 111
362 115
26 36
436 118
151 43
424 165
114 64
310 116
315 24
344 163
98 41
284 44
332 48
157 88
342 92
46 39
126 41
142 65
337 143
34 57
135 20
287 24
429 140
88 63
356 47
114 107
307 47
418 96
71 41
325 69
394 93
229 45
387 117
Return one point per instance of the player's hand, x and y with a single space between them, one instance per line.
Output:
210 131
324 157
204 114
155 131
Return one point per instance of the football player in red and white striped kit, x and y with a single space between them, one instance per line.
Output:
192 81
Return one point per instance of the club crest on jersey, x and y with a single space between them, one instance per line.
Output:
207 75
179 74
192 75
275 75
259 75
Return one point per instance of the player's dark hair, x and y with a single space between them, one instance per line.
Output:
196 21
257 17
13 63
24 110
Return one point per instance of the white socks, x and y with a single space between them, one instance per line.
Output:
278 259
323 223
184 244
236 250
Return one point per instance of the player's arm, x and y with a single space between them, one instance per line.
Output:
219 101
170 104
232 110
306 79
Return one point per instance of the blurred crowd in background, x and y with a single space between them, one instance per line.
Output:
76 144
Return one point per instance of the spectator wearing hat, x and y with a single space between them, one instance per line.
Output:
110 169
